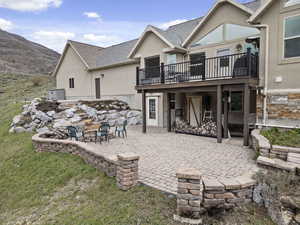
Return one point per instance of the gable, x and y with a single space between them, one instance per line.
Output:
222 13
70 61
150 45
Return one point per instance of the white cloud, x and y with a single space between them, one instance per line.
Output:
102 40
92 15
171 23
53 39
5 24
29 5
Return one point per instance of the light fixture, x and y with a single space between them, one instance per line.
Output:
102 75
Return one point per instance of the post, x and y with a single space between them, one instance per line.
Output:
162 73
257 64
127 171
246 114
144 111
189 193
219 113
169 125
137 76
249 62
226 115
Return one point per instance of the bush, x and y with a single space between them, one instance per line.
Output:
37 81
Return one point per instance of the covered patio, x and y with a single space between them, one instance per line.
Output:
162 153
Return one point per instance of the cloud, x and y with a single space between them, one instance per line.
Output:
29 5
93 15
5 24
53 39
102 40
171 23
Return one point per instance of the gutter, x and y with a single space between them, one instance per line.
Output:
265 26
114 65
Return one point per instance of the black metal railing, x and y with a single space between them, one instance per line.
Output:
224 67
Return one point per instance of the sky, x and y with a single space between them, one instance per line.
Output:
98 22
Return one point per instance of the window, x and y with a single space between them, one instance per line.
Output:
292 37
152 109
291 3
224 61
71 83
236 102
227 32
171 59
152 66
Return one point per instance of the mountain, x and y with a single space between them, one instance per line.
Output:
20 56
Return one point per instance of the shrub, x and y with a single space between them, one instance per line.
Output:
37 81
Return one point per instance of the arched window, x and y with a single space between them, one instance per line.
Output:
226 32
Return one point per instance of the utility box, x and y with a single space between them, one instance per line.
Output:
57 94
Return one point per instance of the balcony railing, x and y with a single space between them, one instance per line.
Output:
225 67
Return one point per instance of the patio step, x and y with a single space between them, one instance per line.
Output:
278 163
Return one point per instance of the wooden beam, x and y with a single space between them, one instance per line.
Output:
219 113
246 114
226 115
169 125
144 111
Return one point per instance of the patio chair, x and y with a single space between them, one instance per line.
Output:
103 132
75 133
121 129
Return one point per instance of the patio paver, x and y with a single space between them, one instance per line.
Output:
162 154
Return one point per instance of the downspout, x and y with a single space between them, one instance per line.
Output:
265 26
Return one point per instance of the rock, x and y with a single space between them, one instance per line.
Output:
17 119
112 111
19 130
51 113
61 123
43 130
42 116
287 217
134 121
133 114
101 117
297 218
101 112
289 202
37 121
76 119
257 194
112 123
113 116
123 112
70 112
12 130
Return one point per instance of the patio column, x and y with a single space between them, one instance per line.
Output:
169 125
144 111
226 115
246 114
219 113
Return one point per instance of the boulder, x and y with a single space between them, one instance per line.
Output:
113 116
133 114
12 130
76 119
51 113
42 116
17 119
134 121
61 123
70 112
19 129
101 112
43 130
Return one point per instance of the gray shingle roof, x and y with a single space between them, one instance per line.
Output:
89 53
97 57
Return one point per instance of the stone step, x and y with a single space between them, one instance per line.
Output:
277 163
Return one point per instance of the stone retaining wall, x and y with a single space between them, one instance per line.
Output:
123 166
197 195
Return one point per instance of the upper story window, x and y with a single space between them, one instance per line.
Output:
291 3
226 32
292 37
71 83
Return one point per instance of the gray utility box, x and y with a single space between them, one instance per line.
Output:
57 94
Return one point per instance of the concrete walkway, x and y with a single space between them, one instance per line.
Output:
162 154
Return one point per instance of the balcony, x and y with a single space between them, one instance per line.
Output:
242 65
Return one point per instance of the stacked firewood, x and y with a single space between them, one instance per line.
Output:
207 128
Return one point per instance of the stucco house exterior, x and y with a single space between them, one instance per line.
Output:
237 66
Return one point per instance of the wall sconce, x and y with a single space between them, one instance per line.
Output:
102 75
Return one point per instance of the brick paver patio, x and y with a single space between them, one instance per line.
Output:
162 154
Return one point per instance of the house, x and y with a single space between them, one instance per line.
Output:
237 66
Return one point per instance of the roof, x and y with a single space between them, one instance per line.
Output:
89 53
261 10
95 57
116 54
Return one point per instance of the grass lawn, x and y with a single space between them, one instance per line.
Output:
53 188
289 138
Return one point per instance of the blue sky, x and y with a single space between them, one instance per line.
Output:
99 22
